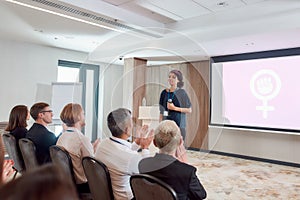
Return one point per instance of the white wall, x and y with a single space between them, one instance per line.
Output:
263 144
112 78
26 73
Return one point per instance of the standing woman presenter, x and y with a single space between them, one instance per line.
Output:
174 102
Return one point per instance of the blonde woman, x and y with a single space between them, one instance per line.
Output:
73 141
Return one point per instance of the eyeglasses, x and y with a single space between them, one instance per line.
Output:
44 111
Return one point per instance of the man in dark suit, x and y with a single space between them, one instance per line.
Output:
39 134
164 165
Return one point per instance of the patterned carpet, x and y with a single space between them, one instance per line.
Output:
233 178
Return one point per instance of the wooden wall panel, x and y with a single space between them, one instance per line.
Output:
149 81
157 80
139 87
198 120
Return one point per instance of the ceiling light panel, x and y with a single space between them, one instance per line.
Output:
83 15
173 8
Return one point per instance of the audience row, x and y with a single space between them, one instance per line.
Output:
123 158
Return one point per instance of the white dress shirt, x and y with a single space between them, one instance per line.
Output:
121 158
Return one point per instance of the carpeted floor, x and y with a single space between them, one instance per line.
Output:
233 178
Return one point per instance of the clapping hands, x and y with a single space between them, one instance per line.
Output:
180 153
144 137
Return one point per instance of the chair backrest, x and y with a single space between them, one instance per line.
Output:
13 151
27 148
62 159
147 187
98 178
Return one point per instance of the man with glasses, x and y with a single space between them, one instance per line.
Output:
39 134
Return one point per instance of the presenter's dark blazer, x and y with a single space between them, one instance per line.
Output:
180 176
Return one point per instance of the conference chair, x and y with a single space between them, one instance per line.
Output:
98 178
147 187
13 152
27 148
61 158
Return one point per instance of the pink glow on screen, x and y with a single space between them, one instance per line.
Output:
276 90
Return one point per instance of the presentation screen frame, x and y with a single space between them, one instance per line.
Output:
243 57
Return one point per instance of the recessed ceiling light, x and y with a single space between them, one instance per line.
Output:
222 4
250 44
95 42
38 30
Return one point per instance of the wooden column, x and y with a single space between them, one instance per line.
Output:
198 89
134 86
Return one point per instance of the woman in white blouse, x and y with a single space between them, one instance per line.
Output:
73 141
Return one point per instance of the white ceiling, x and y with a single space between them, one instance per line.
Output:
157 30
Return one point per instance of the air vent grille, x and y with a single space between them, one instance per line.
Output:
94 17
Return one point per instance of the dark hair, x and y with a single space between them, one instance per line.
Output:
46 182
179 77
17 117
37 108
117 121
71 114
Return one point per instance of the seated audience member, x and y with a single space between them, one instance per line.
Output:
6 166
17 122
120 156
73 141
43 183
164 165
39 134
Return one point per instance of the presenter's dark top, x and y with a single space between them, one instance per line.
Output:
180 176
180 99
42 139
